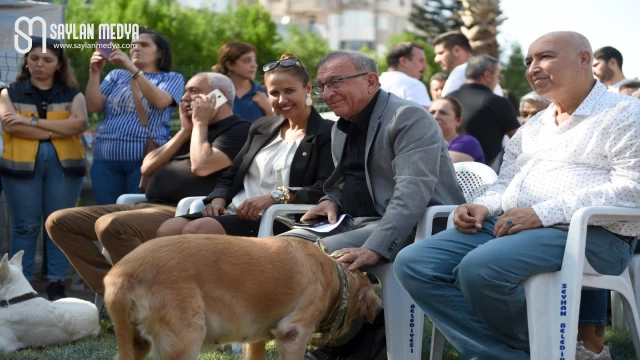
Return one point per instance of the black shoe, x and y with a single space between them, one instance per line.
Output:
55 290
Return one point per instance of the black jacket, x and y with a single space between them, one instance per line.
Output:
311 166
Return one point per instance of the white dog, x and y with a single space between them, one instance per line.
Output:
28 320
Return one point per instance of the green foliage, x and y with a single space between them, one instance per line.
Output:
195 35
434 17
513 72
308 46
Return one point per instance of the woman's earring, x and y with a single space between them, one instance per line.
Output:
308 101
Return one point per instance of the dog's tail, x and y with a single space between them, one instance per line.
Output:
117 298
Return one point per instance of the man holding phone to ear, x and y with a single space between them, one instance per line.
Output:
189 164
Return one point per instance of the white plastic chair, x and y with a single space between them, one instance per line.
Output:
548 312
617 314
473 178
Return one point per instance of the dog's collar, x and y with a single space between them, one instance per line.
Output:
331 327
18 299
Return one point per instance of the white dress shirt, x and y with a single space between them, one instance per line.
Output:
405 86
591 159
458 77
269 170
616 87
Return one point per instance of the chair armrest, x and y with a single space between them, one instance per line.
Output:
196 206
131 199
269 215
425 225
574 253
184 205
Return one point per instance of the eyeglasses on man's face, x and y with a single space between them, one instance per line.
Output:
334 83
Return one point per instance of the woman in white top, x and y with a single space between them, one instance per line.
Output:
286 159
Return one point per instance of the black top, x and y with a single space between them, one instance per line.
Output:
175 181
486 116
311 165
42 100
357 200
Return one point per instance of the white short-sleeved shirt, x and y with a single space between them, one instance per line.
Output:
458 77
406 87
269 170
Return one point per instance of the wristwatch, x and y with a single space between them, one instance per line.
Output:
277 196
34 120
286 194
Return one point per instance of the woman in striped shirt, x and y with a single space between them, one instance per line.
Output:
121 137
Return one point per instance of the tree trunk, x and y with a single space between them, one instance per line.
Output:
480 20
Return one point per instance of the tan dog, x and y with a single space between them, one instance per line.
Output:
177 296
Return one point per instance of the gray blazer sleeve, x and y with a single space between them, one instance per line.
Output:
417 144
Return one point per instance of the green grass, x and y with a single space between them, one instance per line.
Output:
103 347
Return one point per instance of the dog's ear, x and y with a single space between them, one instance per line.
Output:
369 302
4 268
16 260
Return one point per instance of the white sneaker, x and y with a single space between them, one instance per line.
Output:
584 354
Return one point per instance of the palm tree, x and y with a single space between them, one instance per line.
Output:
480 20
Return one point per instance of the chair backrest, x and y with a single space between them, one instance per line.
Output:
473 178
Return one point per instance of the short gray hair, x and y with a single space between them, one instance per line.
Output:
478 64
535 98
222 83
361 61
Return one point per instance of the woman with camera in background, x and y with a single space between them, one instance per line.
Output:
138 101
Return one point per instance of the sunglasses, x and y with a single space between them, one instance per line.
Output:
284 63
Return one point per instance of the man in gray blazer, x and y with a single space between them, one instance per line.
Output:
391 163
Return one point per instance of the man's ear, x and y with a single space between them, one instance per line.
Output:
487 75
455 50
587 62
373 82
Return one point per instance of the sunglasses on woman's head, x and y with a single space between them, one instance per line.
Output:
284 63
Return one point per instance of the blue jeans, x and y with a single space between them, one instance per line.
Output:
111 179
469 284
31 201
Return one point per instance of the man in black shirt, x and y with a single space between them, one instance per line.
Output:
187 165
485 116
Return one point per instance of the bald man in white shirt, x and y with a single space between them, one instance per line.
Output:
583 150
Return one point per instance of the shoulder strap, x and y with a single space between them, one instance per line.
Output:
137 101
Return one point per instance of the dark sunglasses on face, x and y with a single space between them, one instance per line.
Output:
284 63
